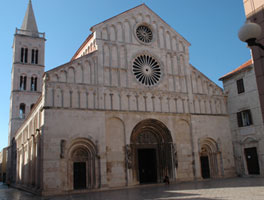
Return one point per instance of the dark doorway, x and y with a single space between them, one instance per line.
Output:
205 166
252 160
4 177
79 175
147 164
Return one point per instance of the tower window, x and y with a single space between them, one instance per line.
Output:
240 86
244 118
23 82
34 81
32 105
24 55
34 56
22 109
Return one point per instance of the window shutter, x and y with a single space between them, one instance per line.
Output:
240 86
250 118
239 119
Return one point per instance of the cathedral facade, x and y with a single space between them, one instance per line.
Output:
128 109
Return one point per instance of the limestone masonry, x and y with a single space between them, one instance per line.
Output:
128 109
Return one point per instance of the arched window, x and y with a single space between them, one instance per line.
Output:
32 105
33 85
22 111
34 56
24 55
23 82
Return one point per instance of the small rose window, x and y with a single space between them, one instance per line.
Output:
144 34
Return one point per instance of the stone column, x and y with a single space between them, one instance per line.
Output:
33 160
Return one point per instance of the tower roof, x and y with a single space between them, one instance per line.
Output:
29 22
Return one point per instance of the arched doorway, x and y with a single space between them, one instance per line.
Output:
80 156
209 158
83 165
151 152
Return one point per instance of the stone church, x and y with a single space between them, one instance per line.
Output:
128 109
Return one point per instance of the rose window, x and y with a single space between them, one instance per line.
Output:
147 70
144 34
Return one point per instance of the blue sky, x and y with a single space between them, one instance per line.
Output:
210 26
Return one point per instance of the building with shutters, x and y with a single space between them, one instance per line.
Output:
245 119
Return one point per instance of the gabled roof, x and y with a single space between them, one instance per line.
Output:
93 27
81 47
119 15
240 68
29 22
203 75
145 6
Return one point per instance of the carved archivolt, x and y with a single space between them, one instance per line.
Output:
151 126
152 134
85 151
209 148
147 138
128 156
80 154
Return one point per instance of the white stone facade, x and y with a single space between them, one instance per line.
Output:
95 115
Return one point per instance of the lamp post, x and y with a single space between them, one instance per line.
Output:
249 32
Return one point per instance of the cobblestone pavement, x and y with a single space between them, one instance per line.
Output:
223 189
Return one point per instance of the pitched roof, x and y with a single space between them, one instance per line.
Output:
93 27
240 68
81 47
29 22
145 6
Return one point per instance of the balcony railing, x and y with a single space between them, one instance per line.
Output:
30 33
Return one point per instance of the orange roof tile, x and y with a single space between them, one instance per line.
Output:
243 66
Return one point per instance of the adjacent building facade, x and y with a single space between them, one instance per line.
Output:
254 10
128 109
245 119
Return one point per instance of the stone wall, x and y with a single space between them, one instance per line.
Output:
245 136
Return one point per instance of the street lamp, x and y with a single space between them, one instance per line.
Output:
249 32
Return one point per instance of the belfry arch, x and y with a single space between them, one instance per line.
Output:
151 152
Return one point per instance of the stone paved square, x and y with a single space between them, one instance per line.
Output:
223 189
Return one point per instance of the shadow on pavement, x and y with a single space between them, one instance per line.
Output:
186 190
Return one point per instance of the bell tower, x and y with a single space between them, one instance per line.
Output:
27 70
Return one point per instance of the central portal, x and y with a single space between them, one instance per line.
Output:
147 163
150 154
